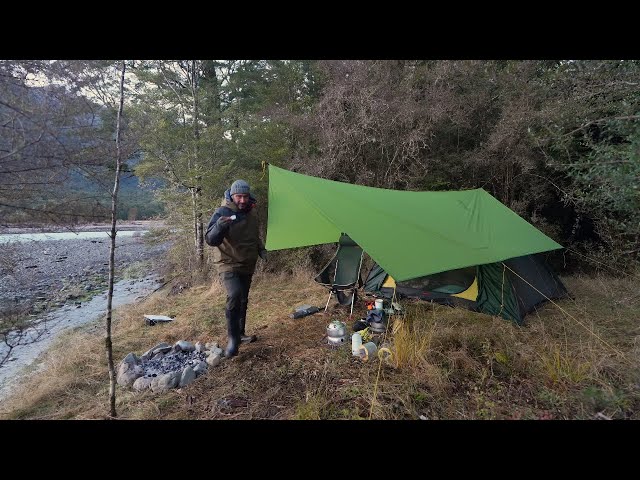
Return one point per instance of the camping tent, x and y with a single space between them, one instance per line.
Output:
496 288
409 234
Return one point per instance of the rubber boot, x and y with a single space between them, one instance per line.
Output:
233 335
245 338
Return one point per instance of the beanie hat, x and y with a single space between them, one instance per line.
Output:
239 186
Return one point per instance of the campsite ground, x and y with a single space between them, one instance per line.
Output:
574 360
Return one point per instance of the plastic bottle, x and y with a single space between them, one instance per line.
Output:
356 342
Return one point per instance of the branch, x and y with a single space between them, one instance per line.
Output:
44 127
168 81
602 120
9 154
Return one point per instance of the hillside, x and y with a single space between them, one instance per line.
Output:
135 201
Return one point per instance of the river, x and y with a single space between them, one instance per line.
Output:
55 323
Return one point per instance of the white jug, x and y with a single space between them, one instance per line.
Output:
356 341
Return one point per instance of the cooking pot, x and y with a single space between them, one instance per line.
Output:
336 332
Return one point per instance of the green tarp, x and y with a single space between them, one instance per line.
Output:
409 234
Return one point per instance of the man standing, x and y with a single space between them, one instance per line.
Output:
233 230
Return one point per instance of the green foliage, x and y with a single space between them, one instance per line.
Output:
606 182
206 123
590 137
599 398
564 366
311 409
556 141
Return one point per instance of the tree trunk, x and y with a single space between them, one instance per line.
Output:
197 214
197 226
112 251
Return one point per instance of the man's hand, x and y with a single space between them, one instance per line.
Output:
222 221
263 255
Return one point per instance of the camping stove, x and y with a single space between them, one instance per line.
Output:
378 327
336 333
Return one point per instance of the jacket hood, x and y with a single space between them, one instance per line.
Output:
228 202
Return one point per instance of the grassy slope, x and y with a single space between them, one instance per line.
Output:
448 363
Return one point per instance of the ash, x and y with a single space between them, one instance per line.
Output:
172 362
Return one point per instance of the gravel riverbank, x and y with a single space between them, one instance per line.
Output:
38 275
59 284
122 225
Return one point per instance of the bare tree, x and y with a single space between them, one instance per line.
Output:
48 133
112 250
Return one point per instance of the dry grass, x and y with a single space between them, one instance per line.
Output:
446 363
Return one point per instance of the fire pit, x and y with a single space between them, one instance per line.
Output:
168 366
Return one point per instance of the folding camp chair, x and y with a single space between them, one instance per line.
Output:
342 273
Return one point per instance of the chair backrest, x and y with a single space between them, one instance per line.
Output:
348 261
343 270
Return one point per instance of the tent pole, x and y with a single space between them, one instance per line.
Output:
353 296
328 300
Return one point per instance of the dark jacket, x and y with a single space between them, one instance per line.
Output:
237 243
